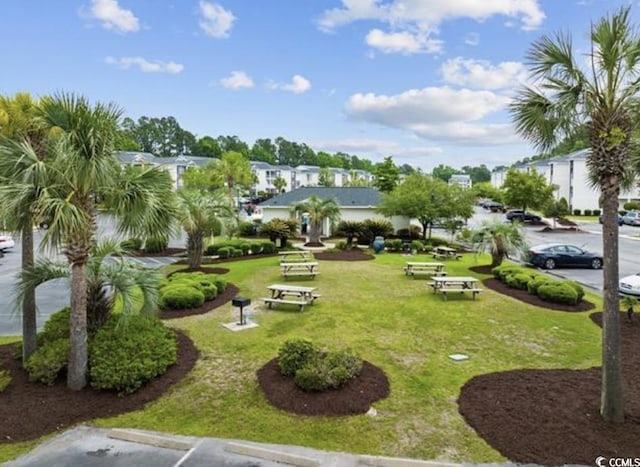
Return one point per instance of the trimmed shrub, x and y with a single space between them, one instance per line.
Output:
417 245
236 252
536 282
437 241
413 232
343 365
267 247
220 283
5 379
124 357
500 272
518 280
296 354
577 287
577 212
180 296
631 206
156 244
224 252
131 244
48 361
245 248
372 228
587 212
559 292
596 212
313 377
246 229
394 244
56 327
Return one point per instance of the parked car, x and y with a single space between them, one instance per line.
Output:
6 242
557 255
630 285
631 218
493 206
620 222
519 215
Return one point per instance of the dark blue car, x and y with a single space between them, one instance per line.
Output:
557 255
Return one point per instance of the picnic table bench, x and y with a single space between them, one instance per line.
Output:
414 268
461 284
308 268
295 256
444 252
301 296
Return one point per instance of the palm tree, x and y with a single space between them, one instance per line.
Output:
318 211
279 184
110 277
604 98
22 150
83 168
499 239
199 214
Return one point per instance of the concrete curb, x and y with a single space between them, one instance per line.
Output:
271 455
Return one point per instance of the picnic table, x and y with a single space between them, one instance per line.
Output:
300 296
444 252
417 268
291 256
459 284
308 268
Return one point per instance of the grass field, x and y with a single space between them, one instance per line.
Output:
393 321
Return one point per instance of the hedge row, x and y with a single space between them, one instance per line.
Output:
187 290
240 247
548 289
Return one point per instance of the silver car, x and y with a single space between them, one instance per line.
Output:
631 218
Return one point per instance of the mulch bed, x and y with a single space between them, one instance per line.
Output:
206 260
347 255
355 397
551 417
225 297
524 296
205 269
30 410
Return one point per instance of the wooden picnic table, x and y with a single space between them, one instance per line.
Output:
301 296
307 268
416 268
444 252
457 284
291 256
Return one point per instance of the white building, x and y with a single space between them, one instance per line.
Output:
570 175
463 180
174 165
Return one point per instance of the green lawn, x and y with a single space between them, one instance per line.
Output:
394 322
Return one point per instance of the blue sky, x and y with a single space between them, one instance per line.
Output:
425 81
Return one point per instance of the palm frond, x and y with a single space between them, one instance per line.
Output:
42 271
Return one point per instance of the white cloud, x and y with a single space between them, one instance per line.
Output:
473 38
403 42
237 80
146 66
215 20
482 74
430 13
437 113
113 16
298 85
413 23
374 146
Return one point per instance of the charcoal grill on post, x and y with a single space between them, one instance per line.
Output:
241 302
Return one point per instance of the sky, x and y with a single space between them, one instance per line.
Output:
427 82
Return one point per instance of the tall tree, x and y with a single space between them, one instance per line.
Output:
326 177
264 150
232 143
603 96
386 175
23 139
319 210
83 167
444 172
163 137
206 147
499 239
526 189
279 184
428 200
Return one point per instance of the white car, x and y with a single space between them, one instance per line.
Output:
6 242
630 285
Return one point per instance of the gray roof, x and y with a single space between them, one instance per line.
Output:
261 165
344 196
308 168
133 157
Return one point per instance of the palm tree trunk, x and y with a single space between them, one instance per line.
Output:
195 248
497 253
78 348
314 234
611 406
29 323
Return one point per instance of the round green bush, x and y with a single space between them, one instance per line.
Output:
417 245
558 293
267 247
156 244
245 248
125 355
295 354
577 287
313 377
224 252
220 283
519 280
46 363
131 244
56 327
343 365
180 296
536 282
